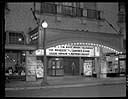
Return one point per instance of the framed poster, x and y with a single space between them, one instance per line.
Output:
87 67
39 69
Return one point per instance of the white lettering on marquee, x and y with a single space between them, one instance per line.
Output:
69 50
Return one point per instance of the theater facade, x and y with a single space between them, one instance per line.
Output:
83 53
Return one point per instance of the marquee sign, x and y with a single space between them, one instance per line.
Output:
70 50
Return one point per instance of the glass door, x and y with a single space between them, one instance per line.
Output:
55 67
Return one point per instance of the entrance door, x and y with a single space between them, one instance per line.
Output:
71 66
55 67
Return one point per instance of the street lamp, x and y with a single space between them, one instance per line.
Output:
44 81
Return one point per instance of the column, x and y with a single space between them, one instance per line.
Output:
30 66
80 66
97 66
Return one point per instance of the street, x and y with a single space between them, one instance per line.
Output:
84 91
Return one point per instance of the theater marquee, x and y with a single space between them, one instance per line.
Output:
71 50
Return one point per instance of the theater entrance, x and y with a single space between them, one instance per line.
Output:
71 65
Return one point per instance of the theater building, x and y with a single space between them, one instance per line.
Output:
79 40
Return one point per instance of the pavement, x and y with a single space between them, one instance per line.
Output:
64 81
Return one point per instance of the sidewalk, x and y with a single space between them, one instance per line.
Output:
66 81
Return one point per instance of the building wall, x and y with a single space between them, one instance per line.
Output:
20 18
110 12
82 23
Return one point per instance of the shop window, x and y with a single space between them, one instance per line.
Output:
14 65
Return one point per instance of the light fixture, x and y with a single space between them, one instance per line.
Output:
23 54
19 39
44 24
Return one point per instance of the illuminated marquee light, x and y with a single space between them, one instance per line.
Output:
69 46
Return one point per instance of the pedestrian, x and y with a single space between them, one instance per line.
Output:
73 68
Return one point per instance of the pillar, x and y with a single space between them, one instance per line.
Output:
80 65
30 69
97 66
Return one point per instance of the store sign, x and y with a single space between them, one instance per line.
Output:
70 50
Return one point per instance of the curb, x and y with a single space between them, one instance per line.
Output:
63 86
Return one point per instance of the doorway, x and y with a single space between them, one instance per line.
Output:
71 65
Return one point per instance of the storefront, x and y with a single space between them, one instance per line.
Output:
71 59
15 65
85 59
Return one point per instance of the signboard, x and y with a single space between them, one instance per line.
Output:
70 50
87 67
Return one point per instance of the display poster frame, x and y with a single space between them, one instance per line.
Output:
31 65
88 67
40 69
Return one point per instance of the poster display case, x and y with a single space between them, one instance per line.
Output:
87 67
122 64
112 65
39 69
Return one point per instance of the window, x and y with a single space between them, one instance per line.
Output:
16 38
72 9
93 14
124 43
66 10
121 17
48 8
122 7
